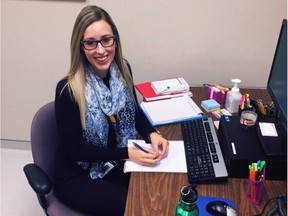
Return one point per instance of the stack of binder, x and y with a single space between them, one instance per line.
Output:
163 89
168 101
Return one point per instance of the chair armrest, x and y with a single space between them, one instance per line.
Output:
38 179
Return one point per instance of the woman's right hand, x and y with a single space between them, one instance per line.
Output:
143 158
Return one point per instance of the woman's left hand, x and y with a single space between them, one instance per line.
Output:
160 145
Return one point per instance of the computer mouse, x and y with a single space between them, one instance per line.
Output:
220 208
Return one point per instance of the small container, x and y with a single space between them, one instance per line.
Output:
248 118
254 189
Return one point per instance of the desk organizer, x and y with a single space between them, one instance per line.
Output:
254 189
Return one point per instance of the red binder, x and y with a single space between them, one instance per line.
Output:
146 90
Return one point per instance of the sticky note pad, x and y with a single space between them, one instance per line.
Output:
210 105
268 129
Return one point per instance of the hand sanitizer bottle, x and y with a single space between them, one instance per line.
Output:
233 97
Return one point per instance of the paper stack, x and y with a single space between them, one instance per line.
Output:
210 105
163 89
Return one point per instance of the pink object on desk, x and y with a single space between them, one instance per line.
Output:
217 92
255 185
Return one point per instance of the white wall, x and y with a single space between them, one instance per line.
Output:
204 41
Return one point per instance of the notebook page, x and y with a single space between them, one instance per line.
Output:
175 162
170 110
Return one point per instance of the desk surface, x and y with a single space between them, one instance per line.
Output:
158 193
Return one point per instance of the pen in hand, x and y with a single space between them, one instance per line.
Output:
140 148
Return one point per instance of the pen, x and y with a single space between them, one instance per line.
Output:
139 147
165 90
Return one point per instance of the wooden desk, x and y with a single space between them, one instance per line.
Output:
158 193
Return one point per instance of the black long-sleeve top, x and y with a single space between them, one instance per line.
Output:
73 147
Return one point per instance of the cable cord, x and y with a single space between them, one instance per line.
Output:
280 200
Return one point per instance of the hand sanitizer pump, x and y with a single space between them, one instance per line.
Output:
233 97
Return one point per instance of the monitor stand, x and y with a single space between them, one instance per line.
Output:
240 147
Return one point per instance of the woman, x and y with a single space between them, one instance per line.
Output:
96 113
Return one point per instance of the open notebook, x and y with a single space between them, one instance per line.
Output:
175 162
171 110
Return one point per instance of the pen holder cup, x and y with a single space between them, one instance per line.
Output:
254 189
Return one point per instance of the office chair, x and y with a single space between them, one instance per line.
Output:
44 142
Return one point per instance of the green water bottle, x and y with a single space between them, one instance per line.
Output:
187 203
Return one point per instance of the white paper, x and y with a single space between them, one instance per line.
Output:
268 129
170 85
171 110
175 162
225 112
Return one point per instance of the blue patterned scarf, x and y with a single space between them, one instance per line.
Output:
102 102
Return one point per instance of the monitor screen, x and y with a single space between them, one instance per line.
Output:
277 82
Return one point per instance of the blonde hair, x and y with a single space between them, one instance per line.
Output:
76 74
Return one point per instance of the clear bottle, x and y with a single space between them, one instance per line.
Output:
233 97
187 203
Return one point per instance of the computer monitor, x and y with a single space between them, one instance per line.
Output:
277 82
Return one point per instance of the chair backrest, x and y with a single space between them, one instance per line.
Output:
45 139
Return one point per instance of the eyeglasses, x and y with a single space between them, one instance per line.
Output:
92 44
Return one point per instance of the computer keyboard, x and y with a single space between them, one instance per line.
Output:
203 153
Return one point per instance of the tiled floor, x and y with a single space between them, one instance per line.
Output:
17 198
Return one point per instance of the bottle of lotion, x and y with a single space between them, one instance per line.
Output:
233 97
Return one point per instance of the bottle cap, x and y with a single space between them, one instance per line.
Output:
189 194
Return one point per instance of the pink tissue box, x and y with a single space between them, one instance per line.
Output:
217 92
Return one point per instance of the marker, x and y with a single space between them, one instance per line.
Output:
247 100
140 148
262 164
253 175
242 102
254 166
250 172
